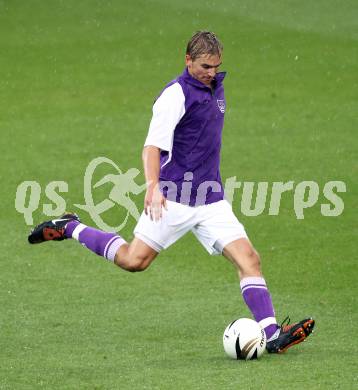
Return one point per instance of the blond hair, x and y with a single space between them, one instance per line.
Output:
204 42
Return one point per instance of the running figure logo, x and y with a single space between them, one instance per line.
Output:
123 185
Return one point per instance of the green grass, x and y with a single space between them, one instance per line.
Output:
77 81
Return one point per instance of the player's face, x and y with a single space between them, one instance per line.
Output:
204 67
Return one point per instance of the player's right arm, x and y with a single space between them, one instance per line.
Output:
167 112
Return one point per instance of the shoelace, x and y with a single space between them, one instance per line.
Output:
285 324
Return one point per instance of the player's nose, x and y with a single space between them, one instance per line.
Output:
211 72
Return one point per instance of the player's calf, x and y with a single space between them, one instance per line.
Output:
134 265
135 257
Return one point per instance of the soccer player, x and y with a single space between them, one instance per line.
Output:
181 158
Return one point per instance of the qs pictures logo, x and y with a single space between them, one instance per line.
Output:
116 189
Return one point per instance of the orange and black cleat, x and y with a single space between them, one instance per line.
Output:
52 230
289 335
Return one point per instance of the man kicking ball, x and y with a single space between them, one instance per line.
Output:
181 159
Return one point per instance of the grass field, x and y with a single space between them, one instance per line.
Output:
77 81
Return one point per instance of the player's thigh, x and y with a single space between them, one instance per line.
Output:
176 221
218 227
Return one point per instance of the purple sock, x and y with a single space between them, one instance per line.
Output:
102 243
258 299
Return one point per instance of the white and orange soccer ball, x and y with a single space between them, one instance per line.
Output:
244 339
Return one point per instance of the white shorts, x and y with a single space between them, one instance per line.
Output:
215 225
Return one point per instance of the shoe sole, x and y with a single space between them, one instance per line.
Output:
303 332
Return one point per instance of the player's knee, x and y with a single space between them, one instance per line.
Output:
252 263
255 261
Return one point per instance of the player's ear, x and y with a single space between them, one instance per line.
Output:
188 60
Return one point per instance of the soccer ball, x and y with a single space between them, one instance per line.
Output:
244 339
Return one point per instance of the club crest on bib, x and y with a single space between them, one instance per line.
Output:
221 105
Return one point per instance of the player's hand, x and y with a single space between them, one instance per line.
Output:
154 202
